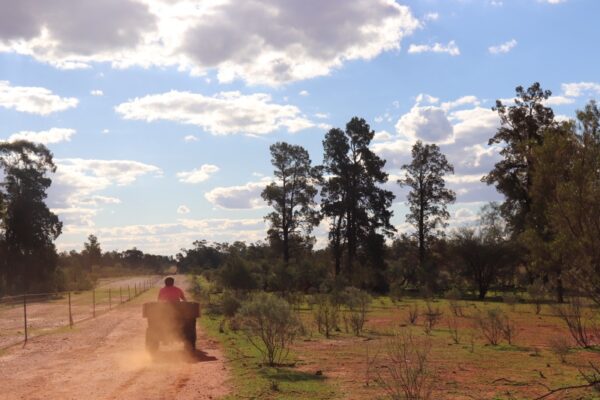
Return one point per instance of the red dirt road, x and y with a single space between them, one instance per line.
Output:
105 358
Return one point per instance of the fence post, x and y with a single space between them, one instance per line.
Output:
70 313
93 303
25 314
109 300
120 295
128 293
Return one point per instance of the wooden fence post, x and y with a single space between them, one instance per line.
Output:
70 313
128 293
25 314
93 303
109 300
120 295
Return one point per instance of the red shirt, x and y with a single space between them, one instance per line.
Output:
170 293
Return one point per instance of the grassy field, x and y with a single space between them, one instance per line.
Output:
339 366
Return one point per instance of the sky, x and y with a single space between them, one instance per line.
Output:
160 113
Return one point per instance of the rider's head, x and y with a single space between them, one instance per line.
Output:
169 281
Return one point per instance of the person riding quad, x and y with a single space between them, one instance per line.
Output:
171 292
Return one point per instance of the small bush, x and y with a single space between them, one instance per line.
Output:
270 326
453 296
326 315
491 324
432 316
404 371
413 314
581 324
453 328
509 330
358 303
230 304
560 347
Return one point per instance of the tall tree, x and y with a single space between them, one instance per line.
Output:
566 182
352 198
522 129
92 251
291 196
29 227
428 197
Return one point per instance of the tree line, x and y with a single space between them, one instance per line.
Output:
545 234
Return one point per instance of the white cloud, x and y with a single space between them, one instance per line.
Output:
503 48
183 209
558 101
239 197
425 98
552 1
105 131
432 16
321 115
97 92
190 138
451 48
33 100
382 136
429 124
578 89
262 42
198 175
474 125
53 135
221 114
304 93
462 101
167 238
77 181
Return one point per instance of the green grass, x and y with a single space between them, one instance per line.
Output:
252 379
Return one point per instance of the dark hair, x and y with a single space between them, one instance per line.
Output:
169 281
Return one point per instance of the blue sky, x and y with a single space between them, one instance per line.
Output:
160 113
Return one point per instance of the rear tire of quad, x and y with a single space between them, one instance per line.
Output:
190 337
151 342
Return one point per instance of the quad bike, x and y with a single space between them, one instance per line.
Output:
171 322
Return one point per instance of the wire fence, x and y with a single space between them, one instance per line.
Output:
25 316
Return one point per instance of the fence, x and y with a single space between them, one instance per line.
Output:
25 316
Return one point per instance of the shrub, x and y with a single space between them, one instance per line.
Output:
580 323
326 315
270 326
404 372
413 314
453 296
432 316
509 330
230 304
491 324
358 303
453 328
560 347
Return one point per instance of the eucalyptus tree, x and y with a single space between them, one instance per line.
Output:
428 197
357 207
28 227
292 196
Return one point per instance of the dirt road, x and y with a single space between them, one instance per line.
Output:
105 358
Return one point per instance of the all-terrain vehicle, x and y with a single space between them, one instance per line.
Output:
171 322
